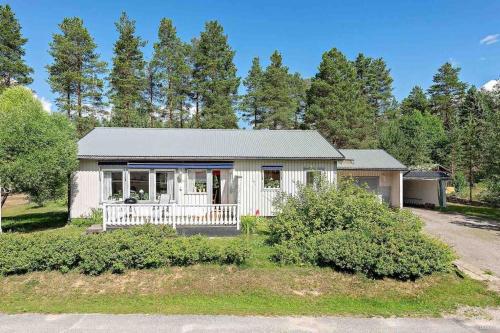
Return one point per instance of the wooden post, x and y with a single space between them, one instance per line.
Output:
104 212
238 217
174 217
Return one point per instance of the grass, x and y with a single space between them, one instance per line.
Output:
260 287
209 289
491 213
30 217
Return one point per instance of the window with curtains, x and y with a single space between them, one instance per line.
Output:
112 185
165 186
139 185
272 179
197 181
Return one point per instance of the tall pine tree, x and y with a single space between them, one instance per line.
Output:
336 105
491 155
152 93
251 104
13 69
299 88
416 100
127 79
75 74
277 95
414 138
446 96
376 82
447 93
171 60
215 80
471 135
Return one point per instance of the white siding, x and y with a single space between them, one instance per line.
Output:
85 189
252 195
250 192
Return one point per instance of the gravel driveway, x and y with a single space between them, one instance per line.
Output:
476 241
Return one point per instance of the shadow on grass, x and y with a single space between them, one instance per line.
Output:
35 221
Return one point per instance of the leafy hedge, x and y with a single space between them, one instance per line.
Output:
141 247
349 229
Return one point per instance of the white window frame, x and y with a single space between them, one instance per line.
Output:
155 171
188 190
102 171
321 173
149 183
280 170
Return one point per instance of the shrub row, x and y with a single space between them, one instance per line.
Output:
135 248
348 229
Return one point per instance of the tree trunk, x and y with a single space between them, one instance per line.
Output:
197 114
471 179
68 204
79 107
255 118
68 103
181 116
151 109
5 194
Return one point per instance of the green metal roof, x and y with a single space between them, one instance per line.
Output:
369 159
209 144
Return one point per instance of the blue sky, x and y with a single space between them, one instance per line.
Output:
414 37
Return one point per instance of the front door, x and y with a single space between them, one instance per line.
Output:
216 187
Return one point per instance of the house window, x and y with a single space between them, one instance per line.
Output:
272 179
139 185
165 186
112 185
197 181
313 177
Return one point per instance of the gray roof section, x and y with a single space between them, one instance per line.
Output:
426 174
369 159
211 144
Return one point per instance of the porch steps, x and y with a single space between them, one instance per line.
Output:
94 229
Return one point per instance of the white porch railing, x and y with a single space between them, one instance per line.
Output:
170 214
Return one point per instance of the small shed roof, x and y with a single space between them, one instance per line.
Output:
426 174
369 159
204 144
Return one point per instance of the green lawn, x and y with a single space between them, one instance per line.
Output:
29 217
475 211
260 287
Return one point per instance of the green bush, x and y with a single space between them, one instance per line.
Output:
248 224
492 194
135 248
349 229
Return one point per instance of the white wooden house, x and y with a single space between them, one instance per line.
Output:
195 176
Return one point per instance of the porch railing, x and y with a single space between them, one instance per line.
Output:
117 215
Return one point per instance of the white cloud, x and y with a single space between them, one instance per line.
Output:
488 86
47 105
490 39
453 62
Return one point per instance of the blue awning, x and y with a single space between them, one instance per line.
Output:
221 165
